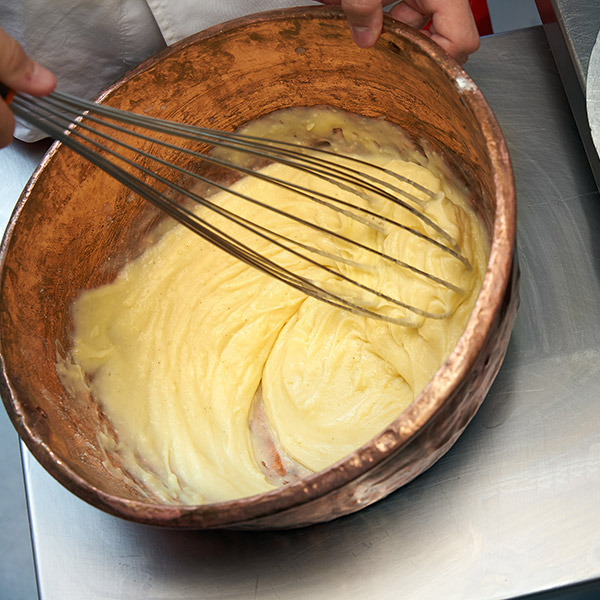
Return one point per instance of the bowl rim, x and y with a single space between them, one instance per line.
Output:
407 426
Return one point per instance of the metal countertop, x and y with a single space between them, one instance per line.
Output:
579 21
572 27
513 508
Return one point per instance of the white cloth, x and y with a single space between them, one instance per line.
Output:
179 18
90 44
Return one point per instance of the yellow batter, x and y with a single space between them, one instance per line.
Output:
184 346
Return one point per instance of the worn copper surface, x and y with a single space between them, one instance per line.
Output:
74 227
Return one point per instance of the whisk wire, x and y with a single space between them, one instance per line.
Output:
249 225
283 152
63 117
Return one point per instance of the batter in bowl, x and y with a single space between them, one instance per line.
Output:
220 382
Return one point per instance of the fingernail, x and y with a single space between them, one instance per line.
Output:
42 77
40 72
362 36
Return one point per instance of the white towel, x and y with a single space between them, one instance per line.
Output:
183 17
90 44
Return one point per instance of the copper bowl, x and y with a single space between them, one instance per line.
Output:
74 227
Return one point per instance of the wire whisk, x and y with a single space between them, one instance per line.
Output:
117 141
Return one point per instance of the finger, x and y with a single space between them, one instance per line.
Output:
459 44
410 16
20 72
7 124
452 27
365 18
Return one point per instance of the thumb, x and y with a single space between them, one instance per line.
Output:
365 18
20 72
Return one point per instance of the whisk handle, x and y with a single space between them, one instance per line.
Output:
6 93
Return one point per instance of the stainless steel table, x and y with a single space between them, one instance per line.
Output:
572 27
513 508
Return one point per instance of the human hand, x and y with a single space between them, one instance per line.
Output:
22 74
452 23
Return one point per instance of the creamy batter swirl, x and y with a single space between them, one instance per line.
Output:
181 347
